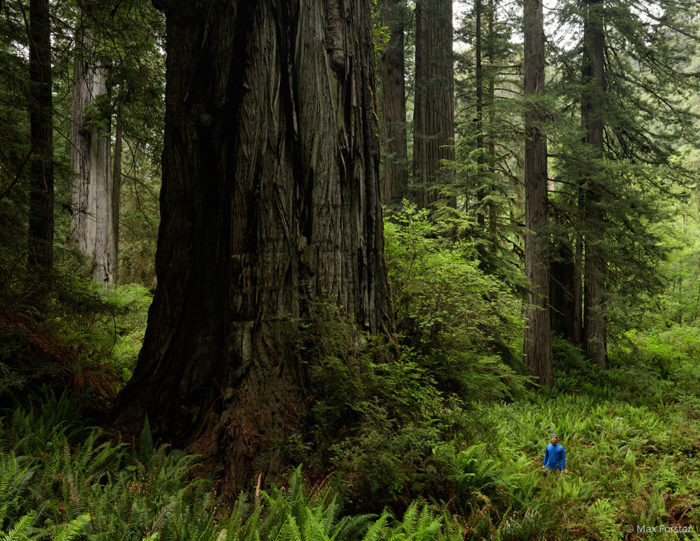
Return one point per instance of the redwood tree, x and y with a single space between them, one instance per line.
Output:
394 102
538 338
93 217
592 113
270 200
433 118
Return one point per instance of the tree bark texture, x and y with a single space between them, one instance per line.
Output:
433 117
394 103
41 187
92 210
270 201
592 110
538 339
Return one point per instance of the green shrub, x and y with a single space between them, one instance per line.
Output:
461 324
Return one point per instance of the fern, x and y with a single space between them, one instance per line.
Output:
376 529
73 529
20 529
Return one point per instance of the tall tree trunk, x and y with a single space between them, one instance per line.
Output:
92 228
101 182
41 196
116 191
270 201
479 76
433 118
592 110
394 103
538 338
491 119
577 337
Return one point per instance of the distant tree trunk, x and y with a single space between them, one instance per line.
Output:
491 118
538 339
41 196
577 337
270 201
479 76
116 191
433 118
562 287
592 106
394 103
92 228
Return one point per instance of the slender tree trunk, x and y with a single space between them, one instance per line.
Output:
394 103
538 338
490 119
80 147
102 180
592 106
116 192
41 196
92 228
479 76
270 201
433 118
577 326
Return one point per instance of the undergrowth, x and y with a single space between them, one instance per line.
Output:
628 463
61 480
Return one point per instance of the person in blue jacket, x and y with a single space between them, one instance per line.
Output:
554 456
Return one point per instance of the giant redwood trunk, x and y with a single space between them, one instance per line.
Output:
92 211
41 196
592 111
433 117
394 103
538 338
270 201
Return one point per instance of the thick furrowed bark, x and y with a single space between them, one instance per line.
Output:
270 199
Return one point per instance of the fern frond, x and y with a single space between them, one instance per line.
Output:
377 528
20 529
74 528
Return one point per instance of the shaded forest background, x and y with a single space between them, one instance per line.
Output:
521 226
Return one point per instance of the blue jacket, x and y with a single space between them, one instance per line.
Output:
554 457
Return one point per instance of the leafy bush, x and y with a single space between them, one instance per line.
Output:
462 326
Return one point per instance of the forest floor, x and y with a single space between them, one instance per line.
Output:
449 469
631 434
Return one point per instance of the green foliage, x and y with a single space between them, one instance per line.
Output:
463 325
61 481
88 337
376 413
